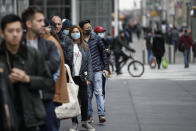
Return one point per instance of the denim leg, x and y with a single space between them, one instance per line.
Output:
90 97
186 57
50 122
98 92
149 55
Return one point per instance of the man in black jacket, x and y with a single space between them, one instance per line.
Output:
33 19
117 46
28 74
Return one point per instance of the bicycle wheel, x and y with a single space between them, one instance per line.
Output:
136 68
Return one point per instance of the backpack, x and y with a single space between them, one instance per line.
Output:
182 46
8 121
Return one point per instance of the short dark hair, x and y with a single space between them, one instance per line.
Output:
29 13
9 19
83 22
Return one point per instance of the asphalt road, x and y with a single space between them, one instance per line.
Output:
147 105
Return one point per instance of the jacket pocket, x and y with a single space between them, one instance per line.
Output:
40 112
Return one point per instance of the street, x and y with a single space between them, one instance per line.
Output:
160 100
148 105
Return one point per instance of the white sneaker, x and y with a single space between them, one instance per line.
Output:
88 126
74 127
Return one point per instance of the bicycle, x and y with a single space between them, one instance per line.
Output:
135 67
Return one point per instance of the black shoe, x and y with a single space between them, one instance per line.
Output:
119 73
186 66
102 119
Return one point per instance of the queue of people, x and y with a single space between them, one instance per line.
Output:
32 61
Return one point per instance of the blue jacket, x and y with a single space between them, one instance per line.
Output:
86 60
99 58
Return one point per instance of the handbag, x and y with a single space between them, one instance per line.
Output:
71 109
164 63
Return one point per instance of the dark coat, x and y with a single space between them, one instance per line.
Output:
50 53
99 57
64 41
187 39
86 60
118 44
148 42
158 47
30 61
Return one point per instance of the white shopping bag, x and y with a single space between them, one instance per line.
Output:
71 109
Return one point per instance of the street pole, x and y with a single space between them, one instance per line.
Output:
73 10
15 7
116 3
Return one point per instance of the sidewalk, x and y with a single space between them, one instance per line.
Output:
137 45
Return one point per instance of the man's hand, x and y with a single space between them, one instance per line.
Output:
88 82
18 75
105 72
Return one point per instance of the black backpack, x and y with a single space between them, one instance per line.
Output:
8 120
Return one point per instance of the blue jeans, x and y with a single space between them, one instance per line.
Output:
96 87
150 56
52 123
186 57
175 44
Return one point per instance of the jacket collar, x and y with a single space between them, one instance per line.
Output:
92 36
22 51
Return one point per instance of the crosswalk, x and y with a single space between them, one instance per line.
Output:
173 72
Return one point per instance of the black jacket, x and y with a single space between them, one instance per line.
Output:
64 41
158 47
119 43
30 61
49 51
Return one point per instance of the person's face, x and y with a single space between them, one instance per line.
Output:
75 30
13 33
37 24
122 34
149 33
87 28
58 23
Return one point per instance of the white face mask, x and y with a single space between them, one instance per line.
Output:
102 35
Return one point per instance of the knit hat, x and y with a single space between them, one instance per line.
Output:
66 24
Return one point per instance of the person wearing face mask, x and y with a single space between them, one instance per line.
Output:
79 60
100 66
100 31
66 26
64 39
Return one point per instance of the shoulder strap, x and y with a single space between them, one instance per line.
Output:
69 74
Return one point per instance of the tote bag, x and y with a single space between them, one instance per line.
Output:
71 109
